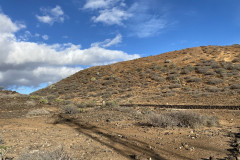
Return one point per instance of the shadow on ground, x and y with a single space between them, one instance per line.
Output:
127 147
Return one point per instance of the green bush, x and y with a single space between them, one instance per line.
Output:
35 97
43 101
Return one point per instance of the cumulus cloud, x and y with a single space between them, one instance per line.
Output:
7 26
108 42
24 63
50 16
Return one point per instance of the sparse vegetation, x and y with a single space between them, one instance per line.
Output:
70 109
110 104
193 79
58 154
235 86
182 119
1 140
213 89
35 97
38 112
214 81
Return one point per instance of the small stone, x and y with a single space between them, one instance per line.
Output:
192 148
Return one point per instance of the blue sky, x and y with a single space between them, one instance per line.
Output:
43 41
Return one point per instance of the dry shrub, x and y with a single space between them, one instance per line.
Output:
193 79
213 89
111 104
70 109
172 77
1 140
202 69
235 86
236 60
58 154
214 81
175 86
37 112
182 119
187 69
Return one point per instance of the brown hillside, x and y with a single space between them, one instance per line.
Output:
206 75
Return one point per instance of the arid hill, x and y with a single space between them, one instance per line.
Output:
206 75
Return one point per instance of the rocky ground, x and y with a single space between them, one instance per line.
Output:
116 133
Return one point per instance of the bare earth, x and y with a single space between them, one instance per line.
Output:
118 133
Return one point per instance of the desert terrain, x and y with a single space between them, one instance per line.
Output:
177 105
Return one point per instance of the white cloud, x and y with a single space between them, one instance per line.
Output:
7 26
149 28
45 19
27 35
144 23
110 12
45 37
50 16
142 18
112 16
99 4
108 42
30 64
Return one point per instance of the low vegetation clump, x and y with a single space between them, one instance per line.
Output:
193 79
1 140
37 112
213 89
214 81
235 86
35 97
70 109
182 119
58 154
110 104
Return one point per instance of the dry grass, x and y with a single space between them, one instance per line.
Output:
58 154
37 112
182 119
70 109
1 140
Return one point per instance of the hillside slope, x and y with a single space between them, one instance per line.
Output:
206 75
